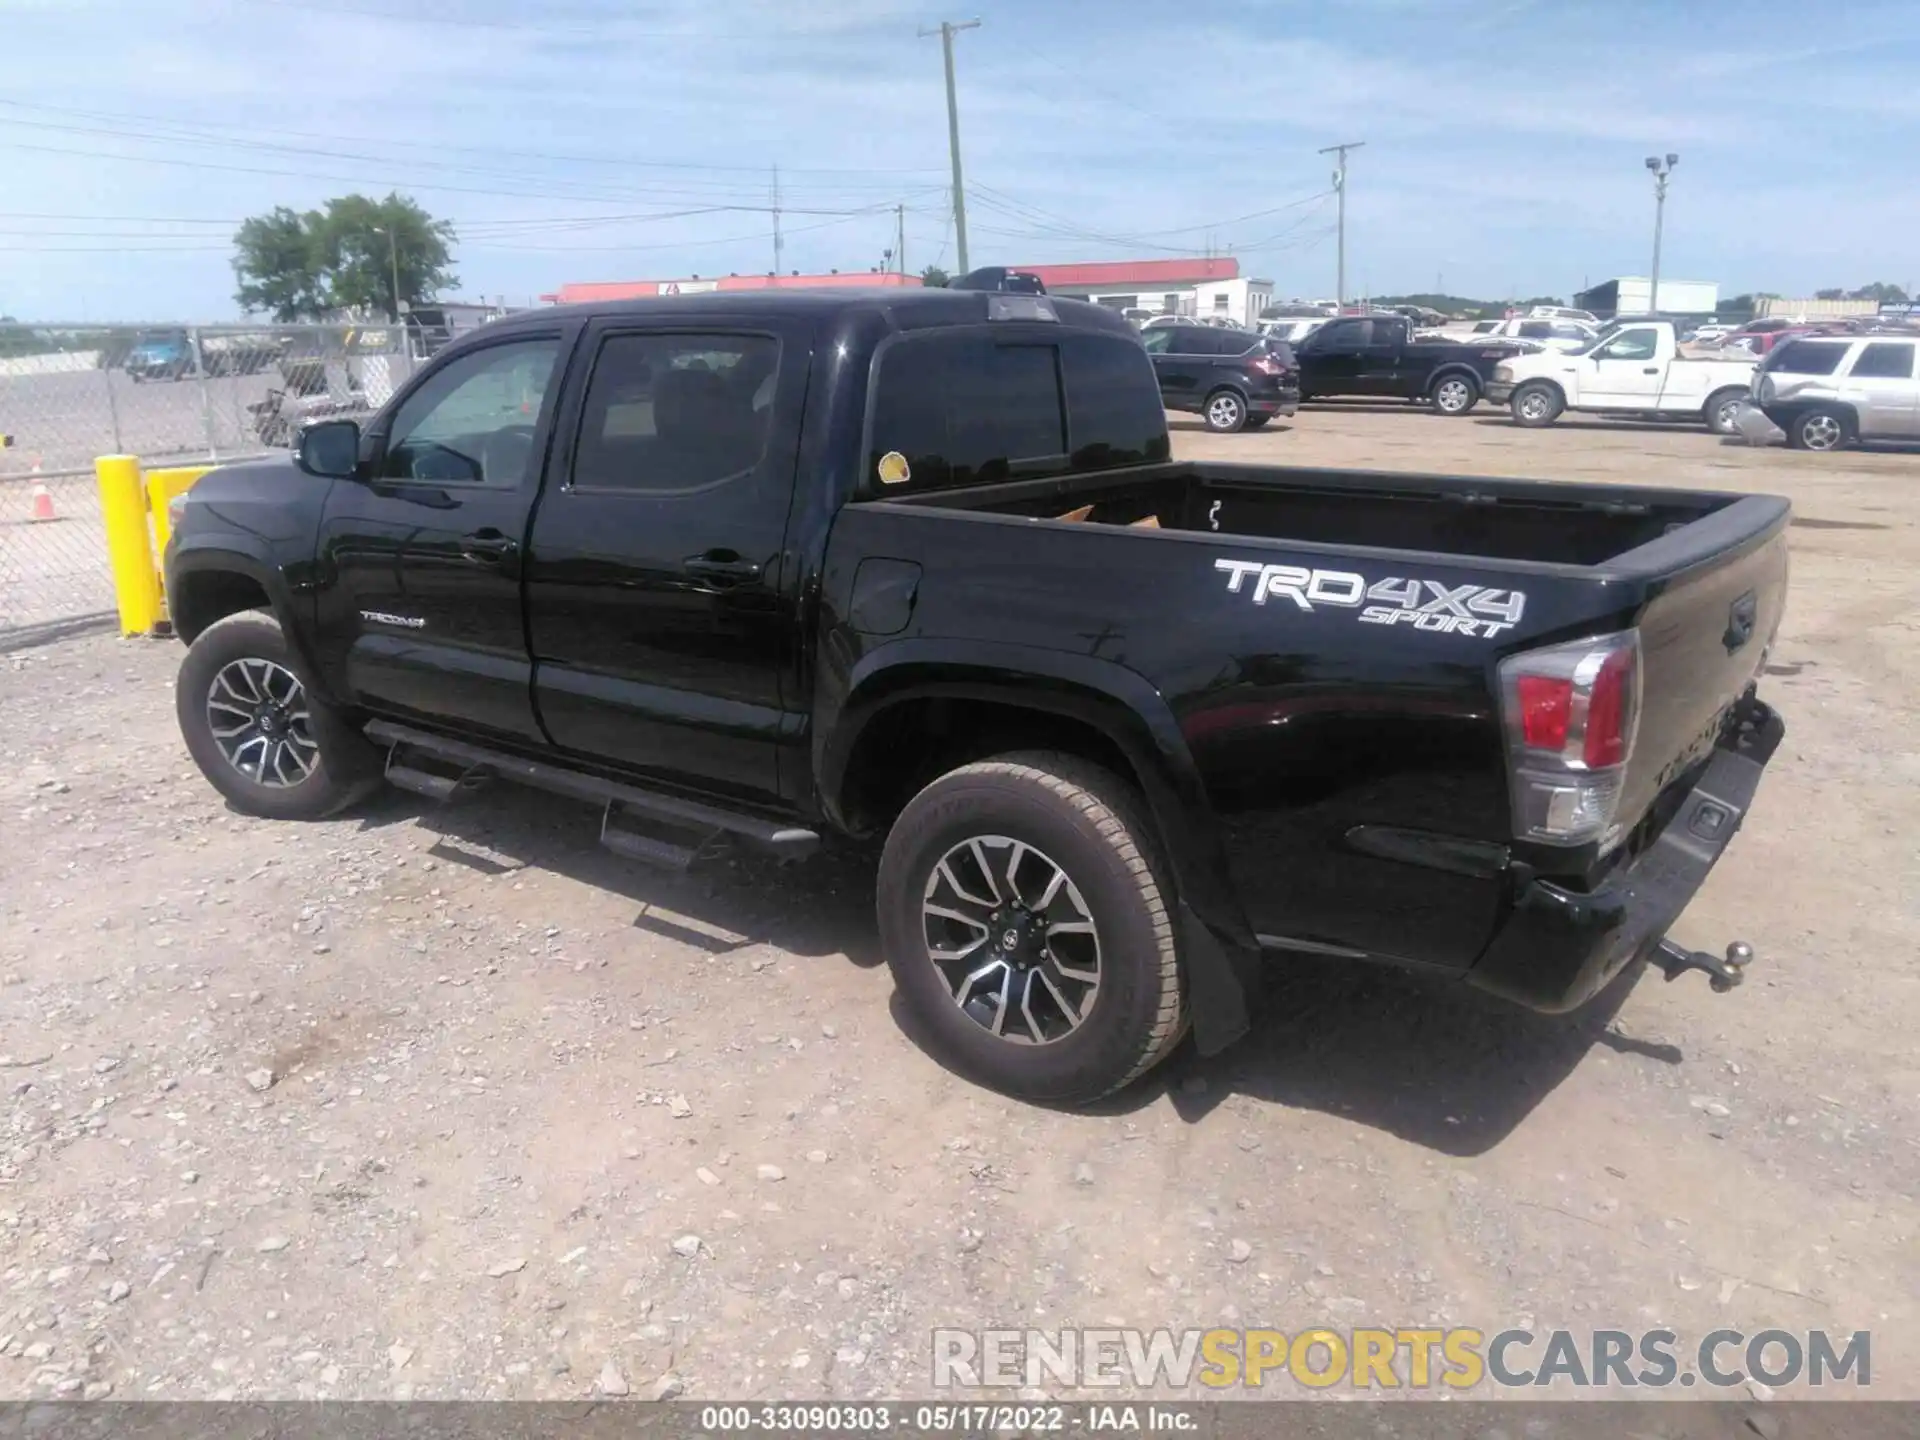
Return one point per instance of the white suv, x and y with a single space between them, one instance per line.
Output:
1827 392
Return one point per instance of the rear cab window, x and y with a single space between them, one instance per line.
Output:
966 407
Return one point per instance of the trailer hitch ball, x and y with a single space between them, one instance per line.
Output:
1722 975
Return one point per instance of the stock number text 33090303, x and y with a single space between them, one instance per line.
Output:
878 1419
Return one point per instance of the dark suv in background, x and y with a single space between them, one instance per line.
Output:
1233 379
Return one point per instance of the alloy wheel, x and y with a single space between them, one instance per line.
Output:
1012 938
1224 411
1821 432
1535 405
257 712
1452 396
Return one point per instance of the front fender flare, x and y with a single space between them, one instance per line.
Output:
243 555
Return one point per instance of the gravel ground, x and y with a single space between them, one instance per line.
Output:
452 1103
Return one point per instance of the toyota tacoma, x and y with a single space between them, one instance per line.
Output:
768 569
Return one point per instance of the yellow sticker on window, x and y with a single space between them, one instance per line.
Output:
894 469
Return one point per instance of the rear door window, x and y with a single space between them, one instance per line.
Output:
1885 360
1808 357
967 409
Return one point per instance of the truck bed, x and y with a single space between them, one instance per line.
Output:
1535 521
1152 559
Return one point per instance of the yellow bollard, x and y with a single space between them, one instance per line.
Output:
136 580
162 487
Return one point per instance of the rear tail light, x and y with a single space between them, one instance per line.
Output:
1570 713
1265 364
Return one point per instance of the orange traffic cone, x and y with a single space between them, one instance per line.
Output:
43 504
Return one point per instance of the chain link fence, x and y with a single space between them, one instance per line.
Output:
170 394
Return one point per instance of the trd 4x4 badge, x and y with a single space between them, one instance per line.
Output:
1431 605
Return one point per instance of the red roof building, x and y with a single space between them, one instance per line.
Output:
1132 274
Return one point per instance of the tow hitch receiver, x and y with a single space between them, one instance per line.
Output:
1723 975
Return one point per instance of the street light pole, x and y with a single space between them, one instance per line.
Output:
946 32
1661 168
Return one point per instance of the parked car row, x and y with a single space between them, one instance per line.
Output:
1238 380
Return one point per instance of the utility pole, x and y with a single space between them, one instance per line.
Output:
1661 169
776 222
900 236
1340 189
948 29
393 265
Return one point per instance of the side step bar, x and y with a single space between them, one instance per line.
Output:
477 764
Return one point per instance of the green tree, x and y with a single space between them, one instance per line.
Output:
1880 292
277 262
304 266
934 275
1834 294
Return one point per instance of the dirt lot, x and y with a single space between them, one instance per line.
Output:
453 1103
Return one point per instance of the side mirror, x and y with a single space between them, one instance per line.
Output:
330 449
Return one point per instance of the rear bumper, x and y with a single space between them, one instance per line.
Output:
1558 947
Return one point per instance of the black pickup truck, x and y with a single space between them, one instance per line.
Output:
767 568
1377 355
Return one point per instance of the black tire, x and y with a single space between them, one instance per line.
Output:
1823 428
1072 816
1537 403
1454 394
1224 411
1257 422
340 765
1722 409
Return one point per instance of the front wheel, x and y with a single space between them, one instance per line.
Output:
1028 928
1535 404
1225 412
1455 395
1818 429
257 733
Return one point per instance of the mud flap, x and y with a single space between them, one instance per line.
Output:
1217 985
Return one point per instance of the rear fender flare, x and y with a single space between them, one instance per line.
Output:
1127 710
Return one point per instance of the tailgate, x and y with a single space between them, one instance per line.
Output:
1718 588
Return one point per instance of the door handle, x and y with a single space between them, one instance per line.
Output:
726 566
488 547
1651 370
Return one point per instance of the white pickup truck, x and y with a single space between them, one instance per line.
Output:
1636 369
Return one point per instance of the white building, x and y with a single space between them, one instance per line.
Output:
1200 287
1632 295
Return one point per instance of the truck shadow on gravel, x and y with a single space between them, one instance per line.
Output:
1422 1058
726 902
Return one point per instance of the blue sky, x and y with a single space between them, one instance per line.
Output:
632 139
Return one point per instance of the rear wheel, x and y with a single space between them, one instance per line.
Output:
1454 395
1027 927
1819 429
258 734
1536 403
1225 412
1722 411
